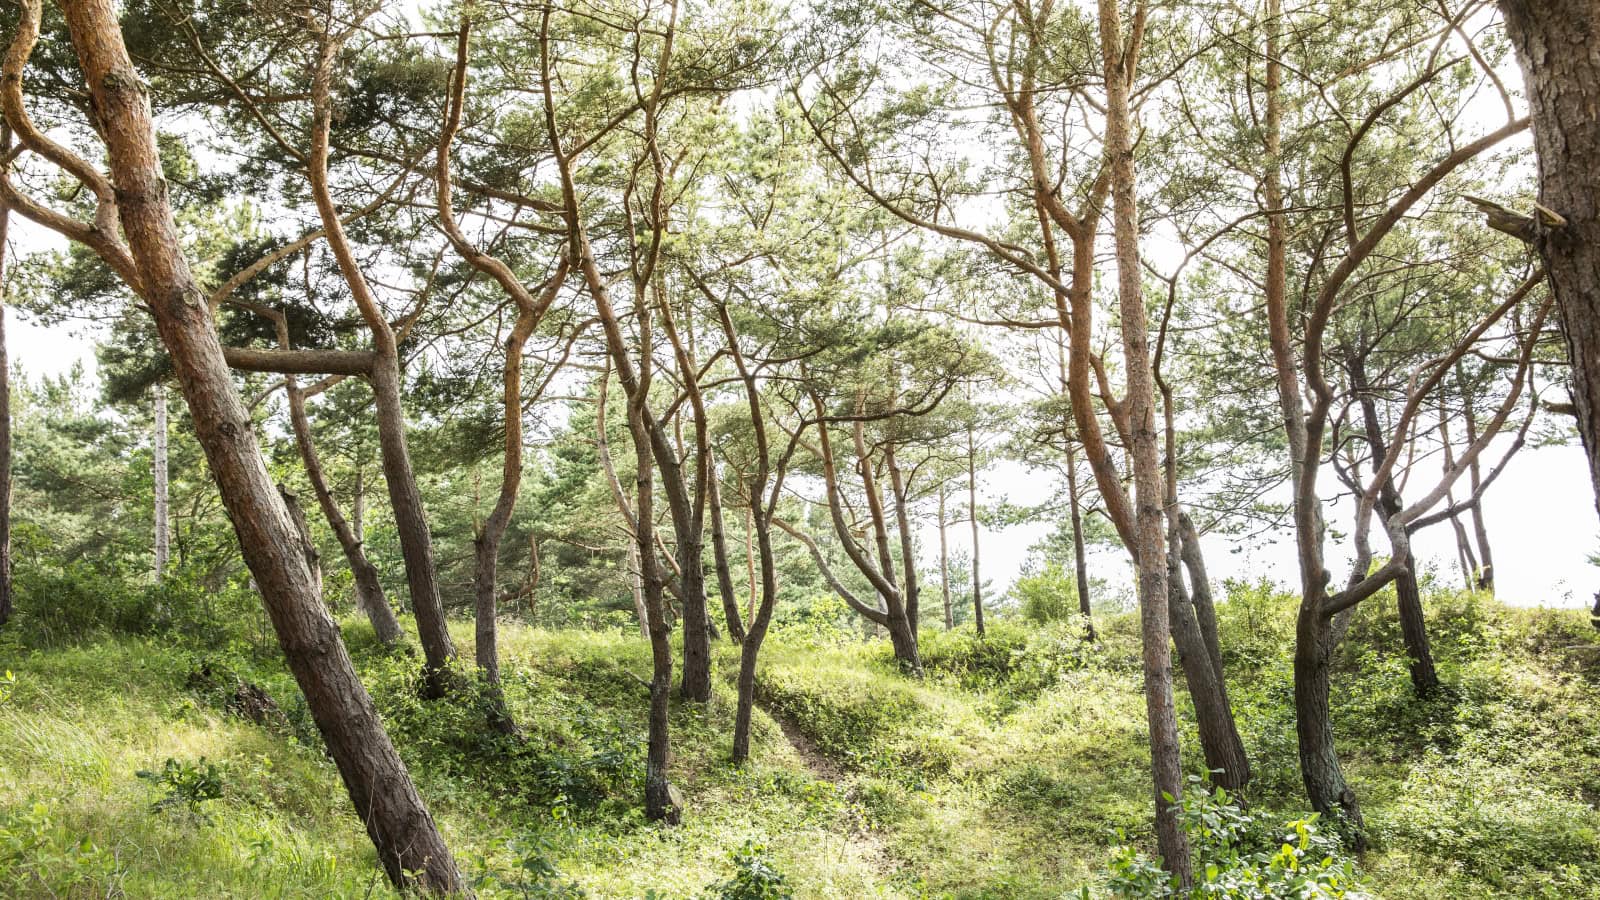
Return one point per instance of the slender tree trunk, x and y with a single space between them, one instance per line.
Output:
972 510
308 547
1555 42
750 566
1145 451
369 589
1413 623
637 583
1080 562
386 801
5 436
1485 557
1316 637
405 499
719 552
162 516
944 564
411 523
1226 760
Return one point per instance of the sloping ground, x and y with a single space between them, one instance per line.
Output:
1011 770
1005 774
77 820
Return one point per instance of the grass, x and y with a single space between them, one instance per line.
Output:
1007 773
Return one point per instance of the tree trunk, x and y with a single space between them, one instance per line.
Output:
972 511
162 516
719 552
1329 793
5 436
750 566
411 523
637 585
386 801
1226 761
1413 624
696 683
369 590
1485 560
944 565
1555 42
1145 451
1080 565
308 547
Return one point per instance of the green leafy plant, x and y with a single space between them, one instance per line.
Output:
754 877
40 855
189 785
1237 854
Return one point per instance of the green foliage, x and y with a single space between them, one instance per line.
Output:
1239 854
1049 595
1011 658
188 785
531 876
754 878
39 855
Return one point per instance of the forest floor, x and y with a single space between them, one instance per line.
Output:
1006 773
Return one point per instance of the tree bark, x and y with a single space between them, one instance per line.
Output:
719 552
1413 623
944 564
411 523
1555 43
405 499
408 843
369 589
1485 560
972 516
308 547
1226 761
159 465
1166 765
5 436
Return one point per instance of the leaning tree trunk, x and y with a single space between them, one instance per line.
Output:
1555 42
408 843
719 548
1219 735
1413 623
5 437
411 522
405 499
369 589
1080 564
159 466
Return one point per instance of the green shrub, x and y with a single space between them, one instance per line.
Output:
754 878
1050 595
188 785
1021 659
1238 854
40 856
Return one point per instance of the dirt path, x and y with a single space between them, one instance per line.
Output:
858 838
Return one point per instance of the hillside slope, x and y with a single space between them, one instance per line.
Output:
1006 773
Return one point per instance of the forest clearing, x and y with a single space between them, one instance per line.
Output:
751 450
